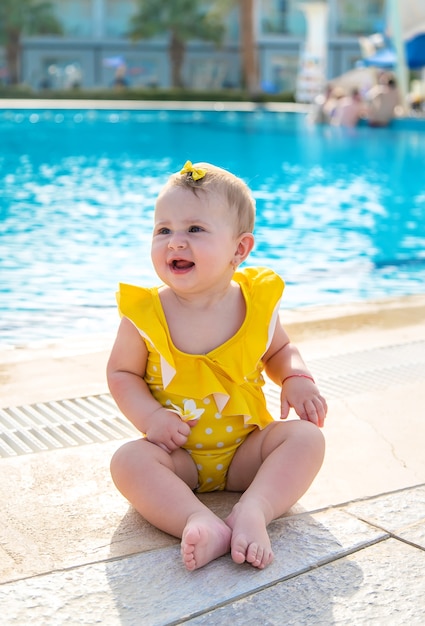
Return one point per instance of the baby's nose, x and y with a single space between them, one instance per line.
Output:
177 241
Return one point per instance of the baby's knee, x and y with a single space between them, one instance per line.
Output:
302 432
125 460
312 436
119 462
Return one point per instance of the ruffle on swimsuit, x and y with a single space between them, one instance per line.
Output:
231 373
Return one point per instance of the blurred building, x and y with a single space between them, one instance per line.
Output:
94 48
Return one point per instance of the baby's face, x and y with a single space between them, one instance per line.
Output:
194 239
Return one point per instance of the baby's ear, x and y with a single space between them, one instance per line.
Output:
245 245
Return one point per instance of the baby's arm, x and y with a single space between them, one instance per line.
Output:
285 366
125 371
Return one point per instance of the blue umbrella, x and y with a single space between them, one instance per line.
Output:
415 52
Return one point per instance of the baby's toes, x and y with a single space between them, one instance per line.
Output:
254 554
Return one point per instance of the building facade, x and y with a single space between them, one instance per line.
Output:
94 47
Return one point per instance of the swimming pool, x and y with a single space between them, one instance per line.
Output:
340 213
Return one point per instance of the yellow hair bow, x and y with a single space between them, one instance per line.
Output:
196 172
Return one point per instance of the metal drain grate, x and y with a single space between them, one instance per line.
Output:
370 370
96 419
51 425
353 373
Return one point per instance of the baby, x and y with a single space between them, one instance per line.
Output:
186 369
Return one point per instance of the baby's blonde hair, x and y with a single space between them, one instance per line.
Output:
233 190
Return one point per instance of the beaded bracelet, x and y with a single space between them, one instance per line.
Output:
298 376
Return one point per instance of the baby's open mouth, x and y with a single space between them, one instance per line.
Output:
180 264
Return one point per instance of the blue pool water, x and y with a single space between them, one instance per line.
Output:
341 213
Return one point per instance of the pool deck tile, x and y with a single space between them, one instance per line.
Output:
352 551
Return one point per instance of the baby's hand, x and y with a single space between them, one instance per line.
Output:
304 397
167 430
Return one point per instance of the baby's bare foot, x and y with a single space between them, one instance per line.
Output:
204 539
250 539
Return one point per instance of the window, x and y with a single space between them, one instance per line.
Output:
281 17
284 73
360 17
75 17
117 16
61 73
207 74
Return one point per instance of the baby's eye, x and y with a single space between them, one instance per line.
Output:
163 231
195 229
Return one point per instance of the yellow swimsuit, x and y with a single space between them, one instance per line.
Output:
223 387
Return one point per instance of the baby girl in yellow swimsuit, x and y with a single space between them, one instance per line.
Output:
186 370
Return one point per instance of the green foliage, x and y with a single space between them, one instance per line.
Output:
24 17
29 17
181 20
161 95
187 19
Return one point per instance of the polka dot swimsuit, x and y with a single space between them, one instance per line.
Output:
212 444
222 389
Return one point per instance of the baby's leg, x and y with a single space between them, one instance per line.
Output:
159 486
274 467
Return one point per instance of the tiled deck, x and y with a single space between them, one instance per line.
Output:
357 564
352 551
